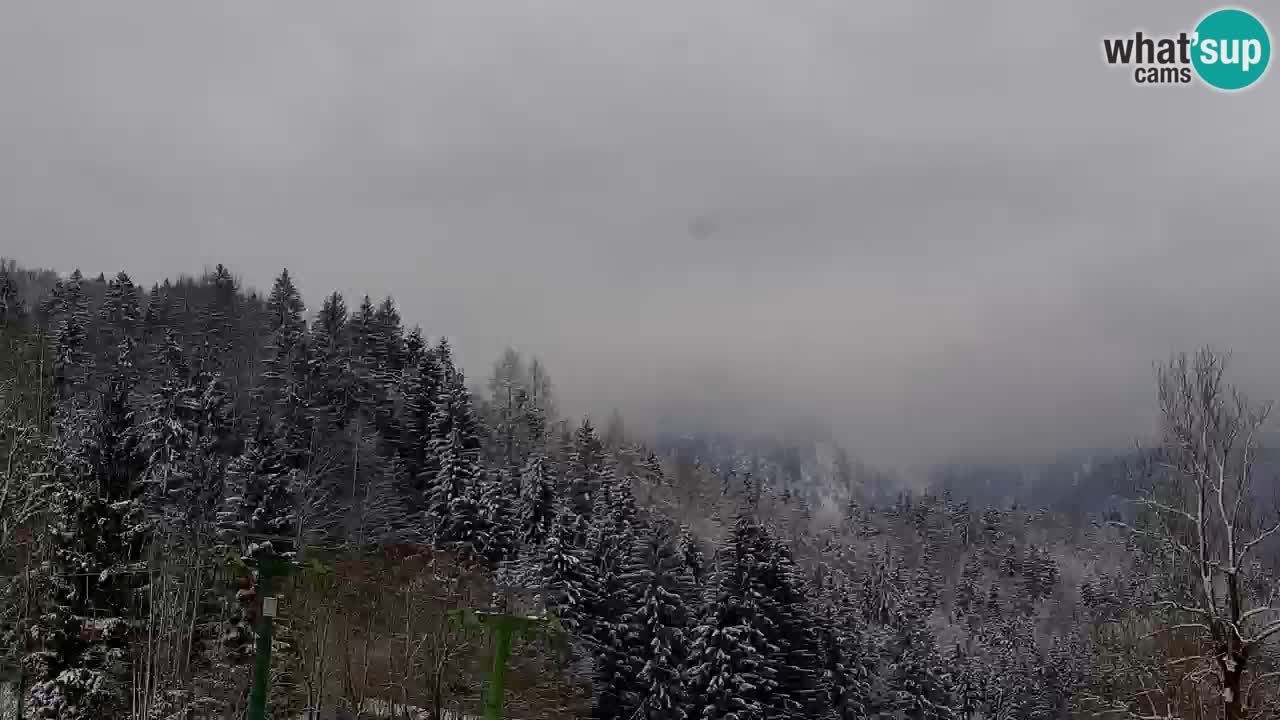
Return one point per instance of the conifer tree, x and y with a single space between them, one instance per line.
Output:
535 507
330 379
186 436
258 502
68 310
95 534
76 668
847 658
567 578
218 315
917 682
378 346
415 345
518 411
691 555
658 621
11 307
584 472
170 430
612 546
416 449
453 498
732 671
280 394
499 508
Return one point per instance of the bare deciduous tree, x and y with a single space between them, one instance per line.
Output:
1201 518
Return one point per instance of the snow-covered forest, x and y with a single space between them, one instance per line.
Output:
159 444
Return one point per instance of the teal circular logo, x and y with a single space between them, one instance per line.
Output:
1232 49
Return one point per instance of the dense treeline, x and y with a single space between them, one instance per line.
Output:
159 444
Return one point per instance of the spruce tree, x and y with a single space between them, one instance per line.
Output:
584 472
12 311
218 315
535 507
453 498
417 452
847 658
499 508
170 429
568 581
259 502
792 630
383 365
68 311
81 644
330 379
612 543
95 535
415 346
918 683
691 555
732 670
121 316
280 395
657 583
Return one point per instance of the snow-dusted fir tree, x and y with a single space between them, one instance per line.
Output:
416 449
380 366
456 513
847 659
68 313
120 316
217 317
360 327
78 666
569 583
12 310
82 663
689 549
170 430
585 469
330 379
415 346
535 507
792 631
732 669
612 546
280 395
917 681
453 497
258 501
614 520
658 621
499 496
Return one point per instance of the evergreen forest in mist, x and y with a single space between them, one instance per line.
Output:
159 445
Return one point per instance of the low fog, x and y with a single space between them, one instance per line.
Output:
945 231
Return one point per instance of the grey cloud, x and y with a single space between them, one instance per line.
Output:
946 230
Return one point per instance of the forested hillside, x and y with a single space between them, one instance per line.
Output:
159 446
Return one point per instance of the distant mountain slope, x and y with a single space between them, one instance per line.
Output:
796 465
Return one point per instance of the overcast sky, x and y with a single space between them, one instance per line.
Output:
946 229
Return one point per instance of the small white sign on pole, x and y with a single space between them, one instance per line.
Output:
269 606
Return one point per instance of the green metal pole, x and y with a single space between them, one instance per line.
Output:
262 653
502 630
